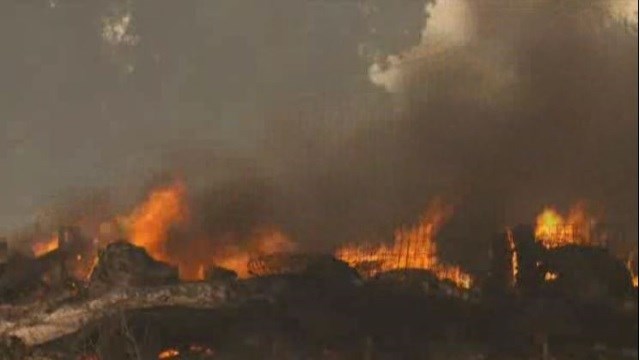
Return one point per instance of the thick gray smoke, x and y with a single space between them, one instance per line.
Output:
334 120
531 106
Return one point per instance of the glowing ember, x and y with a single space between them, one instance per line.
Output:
45 247
553 230
514 258
168 354
149 224
550 276
630 268
413 247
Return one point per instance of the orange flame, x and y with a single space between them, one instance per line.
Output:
413 247
149 224
634 277
45 247
553 230
550 276
168 354
264 241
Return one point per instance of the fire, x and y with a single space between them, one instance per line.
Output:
514 258
553 230
45 247
149 223
168 354
550 276
630 268
265 241
413 247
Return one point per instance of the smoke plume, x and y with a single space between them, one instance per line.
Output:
330 120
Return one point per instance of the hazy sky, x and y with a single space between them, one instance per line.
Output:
352 114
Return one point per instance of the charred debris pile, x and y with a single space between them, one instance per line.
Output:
570 301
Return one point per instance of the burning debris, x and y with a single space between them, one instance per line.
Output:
42 248
148 225
587 271
553 230
413 248
561 266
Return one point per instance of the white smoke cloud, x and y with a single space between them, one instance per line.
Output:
449 24
448 41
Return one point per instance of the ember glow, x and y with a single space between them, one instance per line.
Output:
554 230
169 354
550 276
45 247
413 248
514 258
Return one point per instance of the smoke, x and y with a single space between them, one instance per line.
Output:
333 121
528 104
504 109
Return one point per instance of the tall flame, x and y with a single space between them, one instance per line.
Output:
553 230
413 247
148 224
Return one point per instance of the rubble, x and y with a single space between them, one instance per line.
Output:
122 264
217 273
312 305
42 325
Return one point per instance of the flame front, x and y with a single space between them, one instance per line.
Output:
413 247
149 223
553 230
